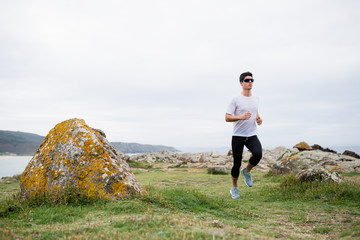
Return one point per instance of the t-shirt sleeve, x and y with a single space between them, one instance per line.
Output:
231 107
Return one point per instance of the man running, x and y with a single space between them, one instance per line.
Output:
243 112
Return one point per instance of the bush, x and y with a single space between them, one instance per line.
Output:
291 188
217 171
139 164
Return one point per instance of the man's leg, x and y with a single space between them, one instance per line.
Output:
249 167
254 146
237 145
234 181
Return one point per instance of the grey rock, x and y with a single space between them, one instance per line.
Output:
318 175
280 160
74 154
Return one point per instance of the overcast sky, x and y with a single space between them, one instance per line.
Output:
163 72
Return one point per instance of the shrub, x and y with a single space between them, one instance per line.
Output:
217 170
139 164
291 188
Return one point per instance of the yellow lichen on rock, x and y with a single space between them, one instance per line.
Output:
302 146
75 154
119 187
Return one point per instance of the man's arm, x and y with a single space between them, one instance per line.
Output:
258 119
231 118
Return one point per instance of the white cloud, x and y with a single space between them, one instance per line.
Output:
163 72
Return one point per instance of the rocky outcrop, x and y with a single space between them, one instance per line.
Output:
199 160
279 160
74 154
294 162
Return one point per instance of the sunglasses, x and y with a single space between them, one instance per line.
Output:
248 80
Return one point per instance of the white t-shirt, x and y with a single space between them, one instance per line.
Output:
240 105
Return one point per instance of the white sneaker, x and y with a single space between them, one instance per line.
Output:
247 178
234 191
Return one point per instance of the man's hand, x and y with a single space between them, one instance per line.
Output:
231 118
246 115
258 120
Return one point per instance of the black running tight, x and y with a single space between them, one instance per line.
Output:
253 144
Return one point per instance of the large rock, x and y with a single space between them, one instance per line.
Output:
351 154
318 175
289 165
77 155
318 147
271 156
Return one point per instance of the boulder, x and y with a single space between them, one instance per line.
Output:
351 154
291 164
74 154
302 146
318 175
318 147
271 156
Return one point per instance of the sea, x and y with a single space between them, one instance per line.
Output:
13 165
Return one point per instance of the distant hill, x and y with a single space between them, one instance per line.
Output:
22 143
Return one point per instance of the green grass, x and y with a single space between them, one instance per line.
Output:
351 174
190 204
139 164
322 230
337 194
8 186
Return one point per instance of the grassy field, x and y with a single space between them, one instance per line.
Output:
187 203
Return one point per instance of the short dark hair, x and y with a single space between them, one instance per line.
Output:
243 75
